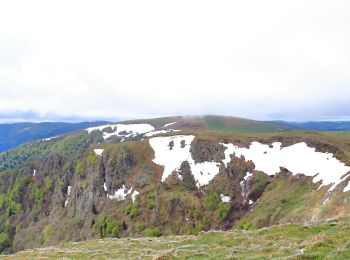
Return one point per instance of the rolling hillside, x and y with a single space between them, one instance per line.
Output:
174 176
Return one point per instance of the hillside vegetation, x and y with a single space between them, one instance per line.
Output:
326 240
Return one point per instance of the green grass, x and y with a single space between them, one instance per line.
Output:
326 240
279 204
219 124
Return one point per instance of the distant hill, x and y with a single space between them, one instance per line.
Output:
12 135
322 126
221 123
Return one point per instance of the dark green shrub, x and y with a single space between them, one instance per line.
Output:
245 225
222 211
211 201
133 210
79 167
36 194
153 232
92 159
4 241
48 183
107 227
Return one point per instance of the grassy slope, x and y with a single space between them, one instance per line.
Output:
219 123
238 125
327 240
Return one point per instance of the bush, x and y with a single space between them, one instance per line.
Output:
92 159
47 233
67 166
107 227
133 210
194 214
139 227
245 225
193 230
12 208
48 183
4 241
36 194
79 167
222 211
153 232
211 201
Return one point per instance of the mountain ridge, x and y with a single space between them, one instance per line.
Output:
116 180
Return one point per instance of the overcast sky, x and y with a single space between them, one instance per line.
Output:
75 60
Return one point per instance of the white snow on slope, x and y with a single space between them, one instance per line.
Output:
49 138
120 194
69 189
297 158
134 195
122 130
105 186
98 152
247 176
166 125
152 133
163 131
347 188
224 198
157 132
243 186
171 159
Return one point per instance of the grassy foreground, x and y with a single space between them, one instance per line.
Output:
327 240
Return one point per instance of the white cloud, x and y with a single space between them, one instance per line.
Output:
106 59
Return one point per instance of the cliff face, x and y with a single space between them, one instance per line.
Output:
116 190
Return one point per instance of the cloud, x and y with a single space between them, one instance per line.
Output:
129 59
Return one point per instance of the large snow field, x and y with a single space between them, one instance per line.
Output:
297 158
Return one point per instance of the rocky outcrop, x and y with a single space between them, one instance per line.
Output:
207 151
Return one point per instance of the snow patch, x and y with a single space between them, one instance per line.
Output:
34 173
122 130
297 158
157 132
166 125
347 188
134 195
244 187
225 198
120 194
247 176
49 138
105 186
69 189
171 158
98 152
